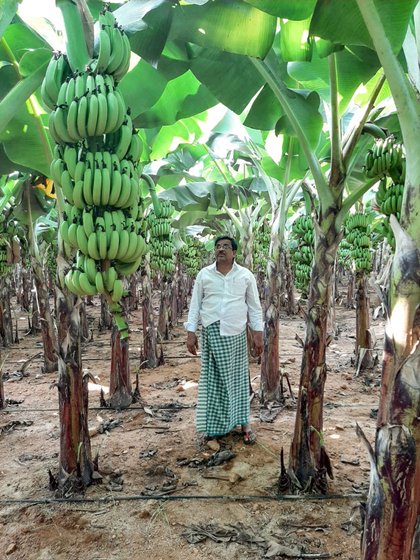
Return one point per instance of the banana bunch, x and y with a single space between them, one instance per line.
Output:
390 199
57 72
357 230
88 106
192 256
103 234
10 248
344 257
302 251
96 165
382 230
162 250
385 158
302 228
302 274
98 178
261 248
5 266
113 47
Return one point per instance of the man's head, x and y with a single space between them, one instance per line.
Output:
225 248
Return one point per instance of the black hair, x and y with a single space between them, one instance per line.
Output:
233 241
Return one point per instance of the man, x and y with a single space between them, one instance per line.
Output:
225 298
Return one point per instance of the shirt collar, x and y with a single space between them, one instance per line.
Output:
234 267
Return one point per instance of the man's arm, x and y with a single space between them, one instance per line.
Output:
192 343
194 316
255 316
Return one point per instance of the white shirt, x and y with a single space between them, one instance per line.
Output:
230 298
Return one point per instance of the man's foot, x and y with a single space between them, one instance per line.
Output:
249 438
248 435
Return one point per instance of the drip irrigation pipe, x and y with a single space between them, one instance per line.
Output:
154 407
176 497
102 359
330 407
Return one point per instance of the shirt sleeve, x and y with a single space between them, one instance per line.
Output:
254 305
195 305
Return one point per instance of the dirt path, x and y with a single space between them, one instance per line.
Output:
223 511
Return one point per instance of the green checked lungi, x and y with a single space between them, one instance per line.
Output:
223 389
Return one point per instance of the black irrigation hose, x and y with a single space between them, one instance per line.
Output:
154 407
176 497
329 406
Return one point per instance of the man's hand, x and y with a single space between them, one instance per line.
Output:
257 342
192 343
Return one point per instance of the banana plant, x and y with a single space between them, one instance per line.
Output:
394 456
30 204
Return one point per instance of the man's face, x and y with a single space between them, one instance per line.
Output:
224 251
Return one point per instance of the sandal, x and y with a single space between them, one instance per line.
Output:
249 437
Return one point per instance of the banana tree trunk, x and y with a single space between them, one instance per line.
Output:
75 462
392 524
149 354
392 530
2 399
105 318
247 242
84 325
364 353
35 326
26 289
350 290
120 389
288 279
48 328
164 321
133 300
308 460
270 389
6 324
176 294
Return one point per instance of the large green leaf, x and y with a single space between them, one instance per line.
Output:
194 104
172 68
197 196
7 166
17 40
297 10
265 111
26 142
355 66
142 87
306 109
231 78
341 22
150 42
17 96
294 40
232 26
169 138
8 10
131 14
182 95
32 60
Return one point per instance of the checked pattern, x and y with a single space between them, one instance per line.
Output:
223 391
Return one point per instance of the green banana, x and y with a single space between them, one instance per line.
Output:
104 51
82 110
78 199
117 290
92 120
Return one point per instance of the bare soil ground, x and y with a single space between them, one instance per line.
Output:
225 510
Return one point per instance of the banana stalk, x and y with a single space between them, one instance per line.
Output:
76 46
152 192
